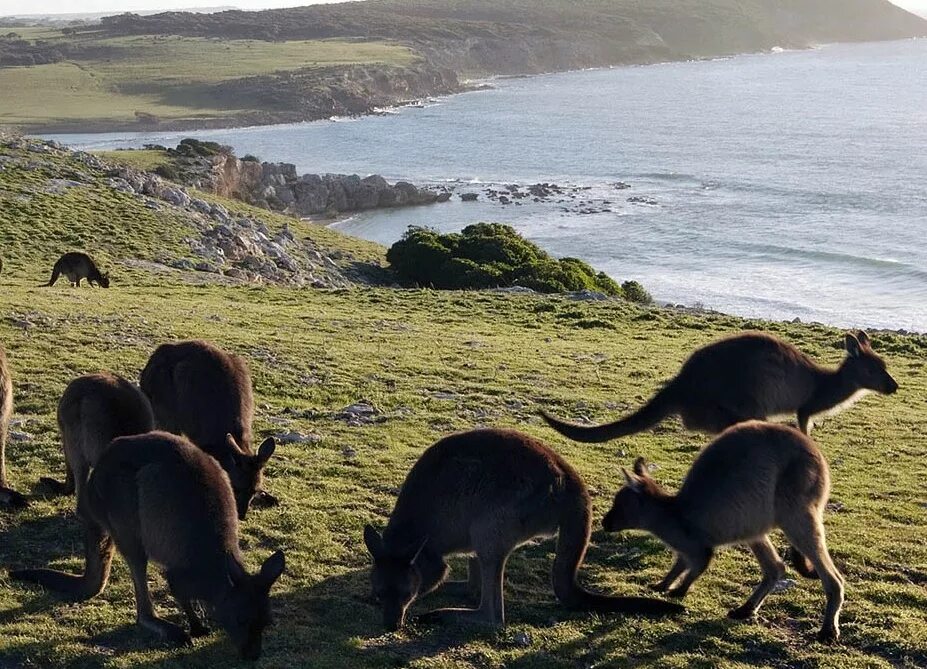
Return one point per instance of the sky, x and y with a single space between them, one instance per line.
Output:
8 7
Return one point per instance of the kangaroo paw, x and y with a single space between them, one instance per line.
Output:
741 613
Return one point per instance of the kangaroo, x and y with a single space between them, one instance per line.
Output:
94 410
204 393
77 267
753 478
749 376
484 493
8 496
157 497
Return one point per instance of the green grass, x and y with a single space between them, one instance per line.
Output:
140 159
499 358
165 76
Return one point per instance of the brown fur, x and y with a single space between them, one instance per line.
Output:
750 376
76 267
8 497
484 493
157 497
94 410
753 478
204 393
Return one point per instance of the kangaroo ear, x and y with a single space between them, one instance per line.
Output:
374 542
266 450
272 568
863 339
236 572
632 481
230 440
419 551
852 344
640 467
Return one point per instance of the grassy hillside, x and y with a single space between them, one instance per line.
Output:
430 362
111 81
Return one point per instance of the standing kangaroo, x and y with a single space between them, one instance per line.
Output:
8 497
485 493
204 393
749 376
76 267
159 498
752 479
94 410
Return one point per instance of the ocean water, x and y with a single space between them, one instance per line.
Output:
781 185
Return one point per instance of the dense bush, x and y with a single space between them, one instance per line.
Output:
491 255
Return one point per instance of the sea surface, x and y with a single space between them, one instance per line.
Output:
782 185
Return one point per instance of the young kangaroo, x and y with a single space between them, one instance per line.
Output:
204 393
76 267
485 493
94 410
749 376
8 497
159 498
753 478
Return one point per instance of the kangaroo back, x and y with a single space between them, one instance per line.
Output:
94 410
8 497
204 393
658 408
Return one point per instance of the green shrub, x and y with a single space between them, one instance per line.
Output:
491 255
168 172
249 158
635 292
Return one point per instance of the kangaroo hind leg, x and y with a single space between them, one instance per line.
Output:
805 531
773 570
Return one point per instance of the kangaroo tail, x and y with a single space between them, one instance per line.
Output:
801 564
99 550
572 541
659 407
54 277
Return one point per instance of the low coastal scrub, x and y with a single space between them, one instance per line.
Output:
493 255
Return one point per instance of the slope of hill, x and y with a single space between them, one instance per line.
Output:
424 363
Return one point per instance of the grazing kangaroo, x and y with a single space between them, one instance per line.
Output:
159 498
8 497
485 493
749 376
205 394
77 267
94 410
753 478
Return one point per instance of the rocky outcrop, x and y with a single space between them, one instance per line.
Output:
277 186
227 245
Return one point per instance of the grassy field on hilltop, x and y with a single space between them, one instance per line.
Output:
431 363
169 77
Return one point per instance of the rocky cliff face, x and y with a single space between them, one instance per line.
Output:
277 186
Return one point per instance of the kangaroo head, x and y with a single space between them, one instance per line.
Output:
246 471
104 280
395 579
863 366
633 500
243 611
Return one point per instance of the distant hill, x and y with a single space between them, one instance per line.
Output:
180 70
525 36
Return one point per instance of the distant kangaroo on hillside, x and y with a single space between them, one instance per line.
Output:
204 393
94 410
160 498
8 497
749 376
752 479
76 267
486 492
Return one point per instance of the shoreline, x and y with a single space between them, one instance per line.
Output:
252 119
